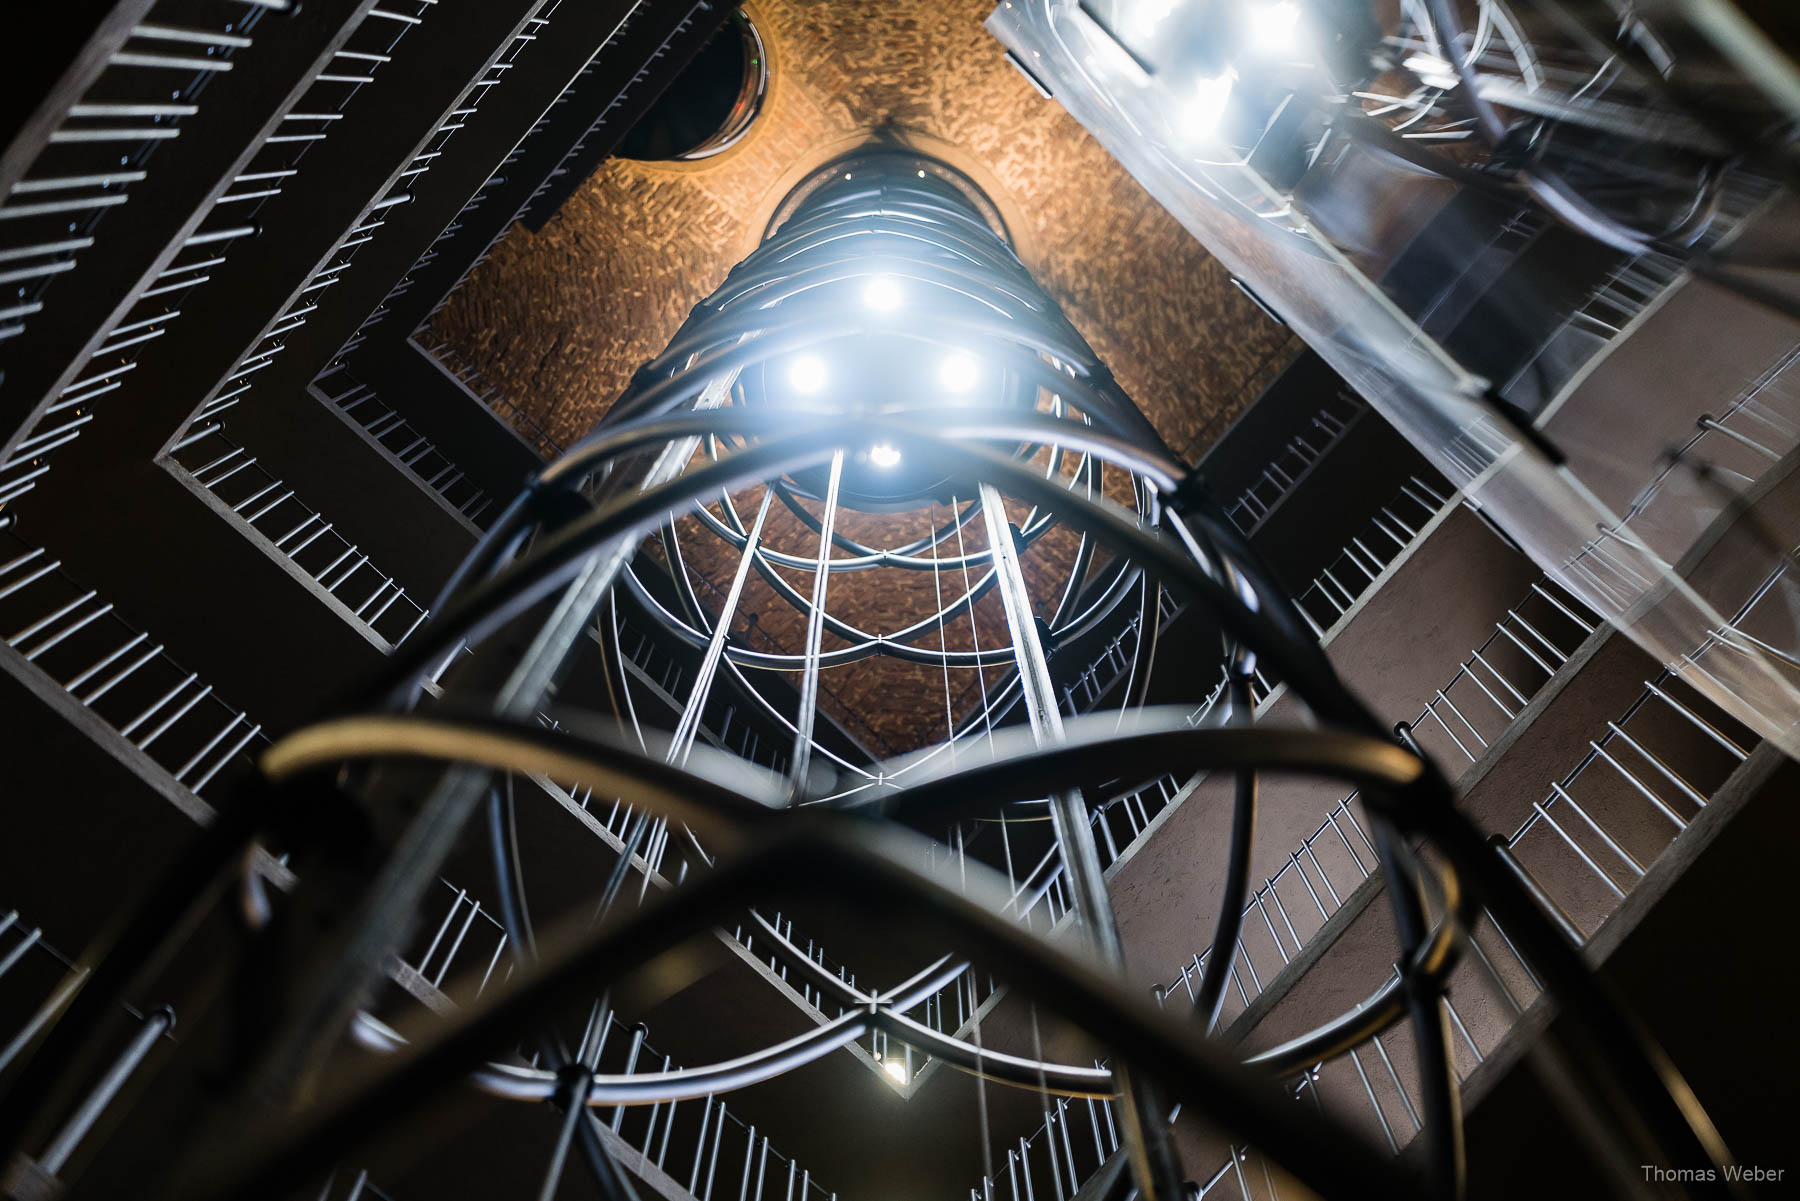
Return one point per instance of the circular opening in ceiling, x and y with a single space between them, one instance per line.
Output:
711 104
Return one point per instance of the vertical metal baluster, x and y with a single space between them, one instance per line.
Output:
1395 1076
1576 847
1599 830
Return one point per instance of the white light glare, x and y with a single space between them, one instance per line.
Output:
1432 71
897 1069
882 294
883 455
1272 25
1201 115
958 372
807 374
1143 19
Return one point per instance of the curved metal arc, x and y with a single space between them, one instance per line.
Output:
970 238
860 558
490 604
717 791
493 601
855 262
1065 1080
822 323
483 742
897 644
733 663
1226 931
518 1082
1021 425
1317 1151
888 1009
1161 740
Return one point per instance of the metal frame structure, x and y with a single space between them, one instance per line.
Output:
365 805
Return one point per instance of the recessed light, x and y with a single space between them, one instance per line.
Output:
807 374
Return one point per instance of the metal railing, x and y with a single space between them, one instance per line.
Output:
599 61
126 119
1580 858
118 672
38 980
1294 460
1114 660
1064 1151
103 147
311 122
1340 853
352 1186
700 1145
267 505
417 454
1078 1136
1626 291
1343 581
1489 689
489 394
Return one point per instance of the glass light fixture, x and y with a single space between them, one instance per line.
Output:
882 294
1205 108
1272 26
958 372
883 455
807 374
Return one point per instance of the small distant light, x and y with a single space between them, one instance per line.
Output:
958 373
847 175
1204 111
1272 25
897 1069
884 456
921 175
882 294
807 374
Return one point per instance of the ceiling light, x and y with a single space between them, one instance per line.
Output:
884 455
882 294
897 1069
807 374
1143 19
958 373
1272 25
1201 115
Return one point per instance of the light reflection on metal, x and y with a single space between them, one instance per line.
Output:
1354 182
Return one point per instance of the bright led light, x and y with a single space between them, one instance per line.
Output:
958 373
883 455
882 294
897 1069
1272 25
1143 19
1201 115
807 374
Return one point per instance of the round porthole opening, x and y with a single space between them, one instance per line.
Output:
711 105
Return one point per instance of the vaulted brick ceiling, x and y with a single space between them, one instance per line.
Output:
559 320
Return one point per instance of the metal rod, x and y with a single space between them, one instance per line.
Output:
63 1145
